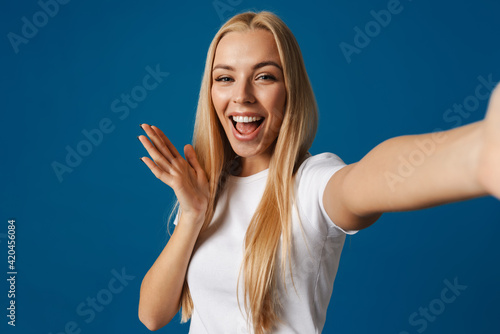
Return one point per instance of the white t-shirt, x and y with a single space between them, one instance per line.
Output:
213 270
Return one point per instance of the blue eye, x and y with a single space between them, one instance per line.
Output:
223 79
267 77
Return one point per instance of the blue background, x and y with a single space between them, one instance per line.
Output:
110 212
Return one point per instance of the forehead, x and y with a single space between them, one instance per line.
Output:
246 48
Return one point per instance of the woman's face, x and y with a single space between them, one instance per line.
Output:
248 92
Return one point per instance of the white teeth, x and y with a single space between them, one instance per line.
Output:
246 119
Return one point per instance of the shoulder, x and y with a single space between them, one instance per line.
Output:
319 165
311 180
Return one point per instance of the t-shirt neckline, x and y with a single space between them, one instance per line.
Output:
251 178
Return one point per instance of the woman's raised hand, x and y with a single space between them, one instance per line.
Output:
489 161
184 176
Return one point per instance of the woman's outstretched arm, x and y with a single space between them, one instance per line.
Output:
161 287
419 171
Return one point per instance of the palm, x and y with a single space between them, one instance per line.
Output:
184 176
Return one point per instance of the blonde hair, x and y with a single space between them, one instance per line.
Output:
272 219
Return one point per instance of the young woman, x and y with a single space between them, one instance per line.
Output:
261 223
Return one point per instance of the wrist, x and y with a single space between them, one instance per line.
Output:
193 218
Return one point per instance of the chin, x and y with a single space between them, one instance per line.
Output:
245 152
248 150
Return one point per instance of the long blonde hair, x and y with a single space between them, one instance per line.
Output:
272 219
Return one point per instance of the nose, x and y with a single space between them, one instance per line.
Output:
242 92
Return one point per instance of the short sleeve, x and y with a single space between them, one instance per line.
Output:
312 178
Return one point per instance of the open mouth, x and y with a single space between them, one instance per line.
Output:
246 125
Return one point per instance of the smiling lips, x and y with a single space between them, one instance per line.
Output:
246 128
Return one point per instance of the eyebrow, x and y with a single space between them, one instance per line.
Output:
256 66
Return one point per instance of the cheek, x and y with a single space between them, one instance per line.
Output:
278 113
283 99
218 103
277 99
220 97
215 97
277 105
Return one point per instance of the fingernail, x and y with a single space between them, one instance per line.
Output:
141 159
138 138
141 125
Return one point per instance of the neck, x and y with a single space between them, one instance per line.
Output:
254 165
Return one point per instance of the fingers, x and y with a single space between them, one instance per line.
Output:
158 172
193 160
157 149
167 164
160 151
158 158
167 142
